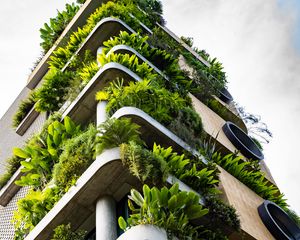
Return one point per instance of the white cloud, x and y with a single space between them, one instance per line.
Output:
254 40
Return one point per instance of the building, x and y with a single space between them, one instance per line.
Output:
163 85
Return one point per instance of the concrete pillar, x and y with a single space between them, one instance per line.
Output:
99 51
106 219
101 115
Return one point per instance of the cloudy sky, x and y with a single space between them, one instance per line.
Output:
258 42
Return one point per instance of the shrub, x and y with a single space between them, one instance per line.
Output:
114 132
51 32
170 209
64 232
78 153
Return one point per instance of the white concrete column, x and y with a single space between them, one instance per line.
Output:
101 115
99 51
106 219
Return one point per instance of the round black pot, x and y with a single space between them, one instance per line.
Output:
278 222
242 141
225 95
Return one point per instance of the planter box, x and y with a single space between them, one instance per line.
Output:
27 121
10 189
144 232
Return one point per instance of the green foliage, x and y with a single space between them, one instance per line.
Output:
166 208
157 102
23 109
251 177
78 153
131 62
202 178
50 96
161 58
144 164
154 10
12 165
221 213
52 31
188 126
32 209
110 9
42 152
114 132
155 166
64 232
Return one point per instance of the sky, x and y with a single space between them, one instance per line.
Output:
257 41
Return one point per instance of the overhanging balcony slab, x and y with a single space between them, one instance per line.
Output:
152 131
106 28
27 121
84 106
10 189
105 176
78 21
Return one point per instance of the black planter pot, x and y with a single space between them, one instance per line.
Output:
242 141
225 95
278 222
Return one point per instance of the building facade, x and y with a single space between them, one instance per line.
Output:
119 102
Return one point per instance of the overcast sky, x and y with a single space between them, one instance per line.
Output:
258 42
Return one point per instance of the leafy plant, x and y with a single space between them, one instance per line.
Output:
144 164
50 96
64 232
42 153
78 153
114 132
52 31
12 165
221 213
251 177
169 209
32 209
188 126
157 102
23 109
110 9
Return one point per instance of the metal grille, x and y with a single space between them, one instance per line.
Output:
6 214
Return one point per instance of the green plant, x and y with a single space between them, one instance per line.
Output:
221 213
188 126
12 165
78 153
32 209
114 132
169 209
132 62
110 9
293 215
64 232
52 31
23 109
157 102
144 164
50 95
42 152
251 177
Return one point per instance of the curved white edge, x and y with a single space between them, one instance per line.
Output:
76 191
27 121
84 92
184 187
106 157
121 48
9 190
94 31
133 111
